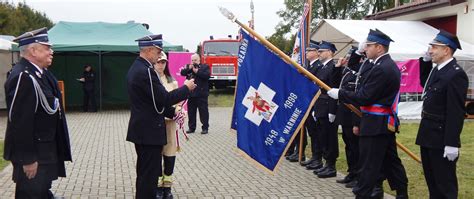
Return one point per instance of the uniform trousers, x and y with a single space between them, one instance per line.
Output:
316 150
352 148
379 154
148 170
440 173
201 104
89 100
37 187
326 133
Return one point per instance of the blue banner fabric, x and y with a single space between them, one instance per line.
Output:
272 99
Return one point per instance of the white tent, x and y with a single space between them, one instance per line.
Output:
411 41
5 44
5 65
411 37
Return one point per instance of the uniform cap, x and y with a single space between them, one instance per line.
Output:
35 36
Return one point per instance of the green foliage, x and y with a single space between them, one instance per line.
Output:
327 9
285 45
17 19
3 162
221 97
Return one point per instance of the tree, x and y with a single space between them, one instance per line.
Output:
15 20
285 45
327 9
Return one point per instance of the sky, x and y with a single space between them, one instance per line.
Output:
182 22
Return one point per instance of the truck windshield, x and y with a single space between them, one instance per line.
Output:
221 48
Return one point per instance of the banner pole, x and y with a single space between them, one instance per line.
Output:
307 31
300 69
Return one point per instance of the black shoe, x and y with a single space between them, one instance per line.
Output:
292 156
159 193
307 162
351 184
346 179
377 192
317 164
167 193
321 169
328 173
189 131
288 153
204 132
402 194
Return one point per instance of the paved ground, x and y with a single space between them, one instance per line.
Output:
208 167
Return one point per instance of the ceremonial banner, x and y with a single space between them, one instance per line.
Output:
176 61
410 71
299 49
272 99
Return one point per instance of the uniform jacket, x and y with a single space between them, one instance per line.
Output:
363 71
201 79
381 86
146 125
443 106
312 68
32 134
89 78
331 76
344 114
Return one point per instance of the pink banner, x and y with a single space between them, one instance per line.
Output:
177 60
410 71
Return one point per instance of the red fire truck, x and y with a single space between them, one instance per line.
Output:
221 56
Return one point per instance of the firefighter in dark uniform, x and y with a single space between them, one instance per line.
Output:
344 115
88 86
445 89
149 104
325 111
377 98
365 65
315 162
311 64
37 138
198 99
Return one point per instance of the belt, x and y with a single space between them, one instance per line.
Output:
431 116
376 110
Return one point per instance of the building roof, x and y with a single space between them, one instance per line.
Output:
412 7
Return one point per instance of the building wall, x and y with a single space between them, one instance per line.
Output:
465 21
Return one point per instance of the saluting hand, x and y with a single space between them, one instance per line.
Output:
190 84
30 170
341 62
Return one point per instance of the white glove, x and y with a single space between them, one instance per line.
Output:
331 117
427 56
451 153
334 93
314 117
361 47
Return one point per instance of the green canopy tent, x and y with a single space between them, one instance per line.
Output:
109 47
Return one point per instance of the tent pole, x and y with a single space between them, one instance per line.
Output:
100 80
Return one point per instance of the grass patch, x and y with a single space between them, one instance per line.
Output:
417 187
221 97
3 162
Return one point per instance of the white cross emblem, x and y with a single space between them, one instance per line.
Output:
259 103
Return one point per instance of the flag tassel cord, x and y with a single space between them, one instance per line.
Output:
301 70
